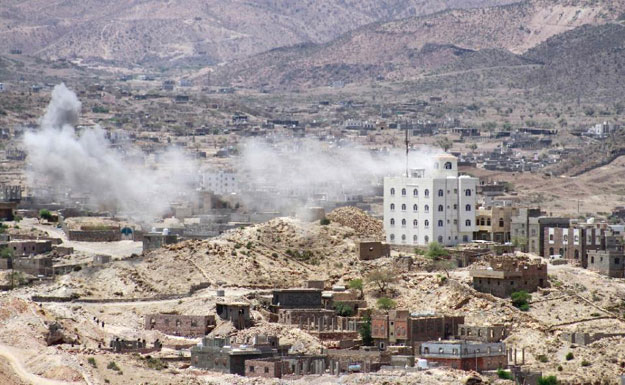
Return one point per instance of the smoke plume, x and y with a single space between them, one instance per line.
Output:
85 163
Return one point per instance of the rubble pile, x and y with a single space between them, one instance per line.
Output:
361 222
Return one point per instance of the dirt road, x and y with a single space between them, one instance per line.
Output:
22 373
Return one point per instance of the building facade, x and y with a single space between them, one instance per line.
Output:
430 205
466 355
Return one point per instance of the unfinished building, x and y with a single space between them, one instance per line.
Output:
491 333
507 275
180 325
285 367
299 298
236 312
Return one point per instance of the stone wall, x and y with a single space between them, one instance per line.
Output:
180 325
94 235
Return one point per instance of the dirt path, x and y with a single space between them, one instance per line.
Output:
25 375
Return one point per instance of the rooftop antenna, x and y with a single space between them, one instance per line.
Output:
407 151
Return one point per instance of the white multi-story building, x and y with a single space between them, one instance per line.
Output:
221 182
428 205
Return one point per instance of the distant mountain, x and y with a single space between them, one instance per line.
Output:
407 48
168 32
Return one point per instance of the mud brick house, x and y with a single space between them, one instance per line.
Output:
368 250
220 355
236 312
400 327
34 265
466 355
508 275
492 333
285 367
180 325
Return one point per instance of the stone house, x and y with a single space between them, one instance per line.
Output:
368 250
508 275
285 367
299 298
220 355
492 333
180 325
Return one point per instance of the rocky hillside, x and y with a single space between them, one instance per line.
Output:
191 31
410 47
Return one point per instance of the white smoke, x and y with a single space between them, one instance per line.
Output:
86 163
303 167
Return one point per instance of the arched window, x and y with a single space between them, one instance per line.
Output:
415 223
403 222
448 166
426 208
467 222
487 221
467 208
426 223
440 239
426 239
403 207
414 238
440 208
427 193
392 221
415 193
482 222
403 192
467 192
392 237
566 238
392 206
415 208
551 251
440 223
440 193
403 237
392 191
500 222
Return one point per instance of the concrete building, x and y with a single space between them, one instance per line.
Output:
285 367
466 355
180 325
221 182
400 327
610 259
508 275
24 248
429 205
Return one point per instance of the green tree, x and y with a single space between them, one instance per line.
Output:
324 221
365 331
5 252
549 380
357 284
520 300
444 143
381 278
385 303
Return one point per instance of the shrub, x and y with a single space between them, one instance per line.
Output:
520 300
549 380
435 251
155 363
569 356
542 358
504 374
324 221
113 366
560 368
92 362
381 278
385 303
356 284
585 363
45 214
